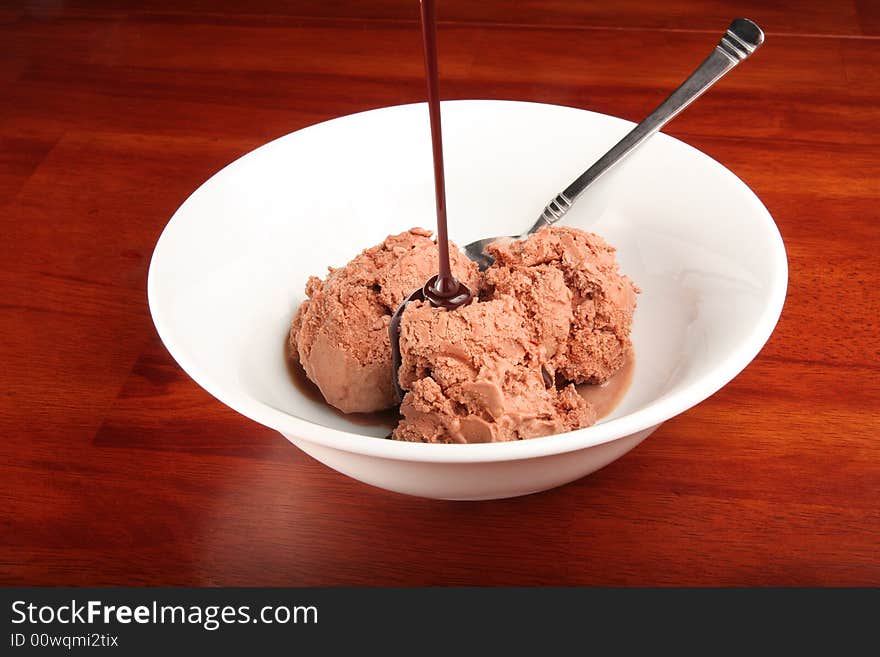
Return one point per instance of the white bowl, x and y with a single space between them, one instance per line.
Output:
230 267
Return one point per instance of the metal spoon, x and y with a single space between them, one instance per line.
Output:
741 39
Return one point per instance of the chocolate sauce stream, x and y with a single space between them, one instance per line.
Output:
445 285
442 290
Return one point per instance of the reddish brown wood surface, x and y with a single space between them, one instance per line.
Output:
117 469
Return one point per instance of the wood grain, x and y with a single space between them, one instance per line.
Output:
118 469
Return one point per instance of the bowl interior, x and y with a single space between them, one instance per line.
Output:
231 266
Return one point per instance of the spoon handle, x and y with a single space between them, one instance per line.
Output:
741 39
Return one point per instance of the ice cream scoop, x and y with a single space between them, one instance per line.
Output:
742 38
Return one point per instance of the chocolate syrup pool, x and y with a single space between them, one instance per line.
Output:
605 397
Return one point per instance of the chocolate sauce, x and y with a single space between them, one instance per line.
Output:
444 286
442 290
461 297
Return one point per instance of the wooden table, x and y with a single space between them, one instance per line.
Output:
117 469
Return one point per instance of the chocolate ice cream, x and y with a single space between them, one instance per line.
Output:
474 375
552 311
340 333
586 333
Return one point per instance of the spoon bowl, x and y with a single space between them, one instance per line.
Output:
476 250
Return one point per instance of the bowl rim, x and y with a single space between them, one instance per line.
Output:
649 416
